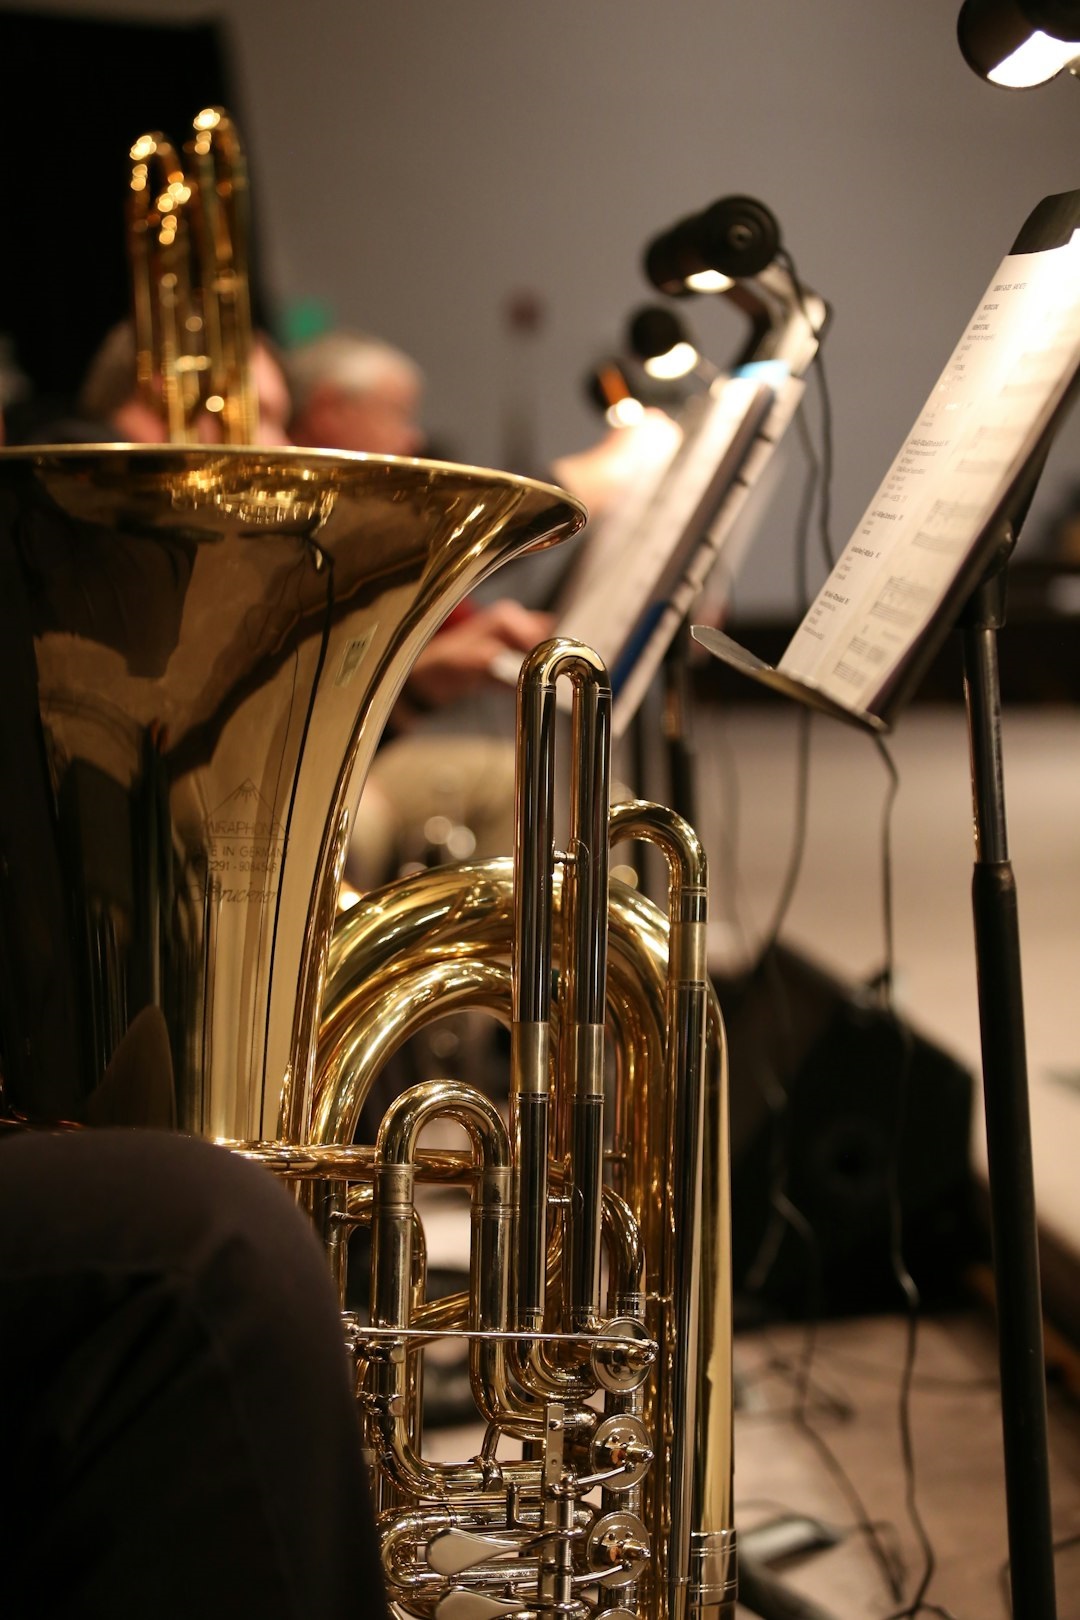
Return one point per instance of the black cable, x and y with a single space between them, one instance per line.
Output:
888 1560
816 492
790 882
807 504
785 258
906 1283
772 1091
785 1213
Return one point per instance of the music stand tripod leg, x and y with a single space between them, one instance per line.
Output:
1008 1123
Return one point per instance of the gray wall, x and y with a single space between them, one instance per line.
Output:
421 159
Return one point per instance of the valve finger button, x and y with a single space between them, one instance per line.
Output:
622 1442
623 1365
465 1605
452 1551
618 1548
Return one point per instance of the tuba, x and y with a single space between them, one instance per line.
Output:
597 1320
202 647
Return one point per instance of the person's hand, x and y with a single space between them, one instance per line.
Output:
459 658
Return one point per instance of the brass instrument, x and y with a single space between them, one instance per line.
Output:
187 237
202 650
598 1314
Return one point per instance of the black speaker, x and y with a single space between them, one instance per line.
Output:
842 1116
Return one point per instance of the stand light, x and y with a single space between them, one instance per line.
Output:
662 343
1020 43
611 391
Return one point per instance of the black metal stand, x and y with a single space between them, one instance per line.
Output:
1008 1123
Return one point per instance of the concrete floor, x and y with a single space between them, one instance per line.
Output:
853 1410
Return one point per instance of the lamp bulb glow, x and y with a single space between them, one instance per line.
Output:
626 412
677 361
709 281
1039 59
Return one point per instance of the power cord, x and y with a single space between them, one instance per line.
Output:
828 551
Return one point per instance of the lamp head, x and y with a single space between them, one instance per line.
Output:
1019 43
661 342
610 390
734 239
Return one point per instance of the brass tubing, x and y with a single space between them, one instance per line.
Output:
701 1533
159 257
534 802
657 997
381 1014
222 233
383 980
392 1266
584 967
187 236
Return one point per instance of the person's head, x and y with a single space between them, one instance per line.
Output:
109 394
352 392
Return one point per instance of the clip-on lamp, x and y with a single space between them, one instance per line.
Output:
1019 44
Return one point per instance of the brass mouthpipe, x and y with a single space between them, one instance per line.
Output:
378 1016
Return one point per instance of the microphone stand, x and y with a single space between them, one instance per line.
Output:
1014 1229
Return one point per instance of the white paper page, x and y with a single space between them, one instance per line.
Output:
724 545
607 611
655 444
607 603
984 416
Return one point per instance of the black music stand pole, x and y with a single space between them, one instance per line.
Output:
1008 1122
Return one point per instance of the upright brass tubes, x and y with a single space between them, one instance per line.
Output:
187 244
597 1316
584 968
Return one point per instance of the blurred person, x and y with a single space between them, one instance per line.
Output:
353 392
450 761
110 406
358 393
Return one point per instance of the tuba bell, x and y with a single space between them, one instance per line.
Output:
201 648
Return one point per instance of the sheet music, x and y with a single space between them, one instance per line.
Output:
724 543
614 602
615 599
995 396
655 444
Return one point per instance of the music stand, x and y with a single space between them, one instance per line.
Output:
930 552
